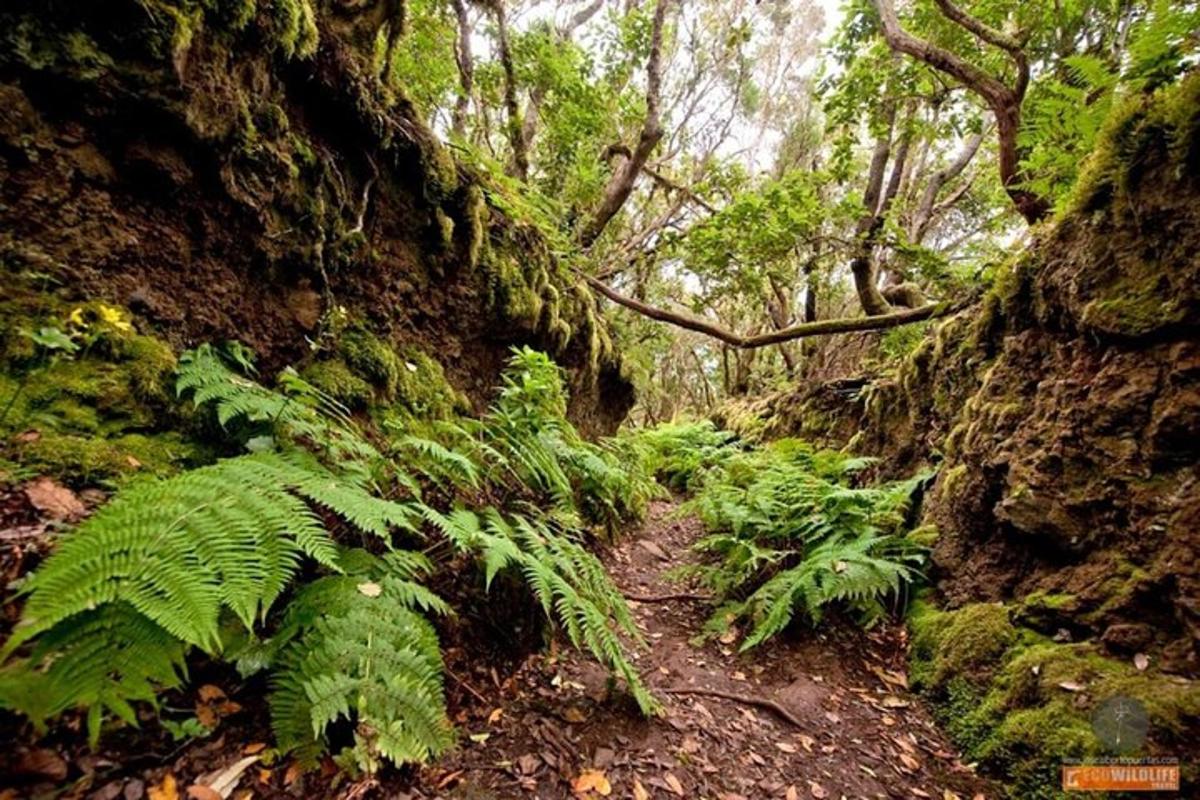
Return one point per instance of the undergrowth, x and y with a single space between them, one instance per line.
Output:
788 532
306 557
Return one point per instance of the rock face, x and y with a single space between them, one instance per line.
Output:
233 171
1064 411
1074 468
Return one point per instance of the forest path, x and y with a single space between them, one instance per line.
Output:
854 730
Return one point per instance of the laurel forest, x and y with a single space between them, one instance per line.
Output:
578 398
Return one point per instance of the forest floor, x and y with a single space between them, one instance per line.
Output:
809 715
820 715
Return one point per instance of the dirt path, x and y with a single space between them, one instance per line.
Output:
853 732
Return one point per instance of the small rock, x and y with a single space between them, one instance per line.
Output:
1128 637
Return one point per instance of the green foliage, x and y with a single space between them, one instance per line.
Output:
680 454
789 534
361 650
201 561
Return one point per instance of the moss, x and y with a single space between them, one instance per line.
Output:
967 641
292 28
372 359
477 217
1019 704
83 460
445 227
925 535
333 377
423 390
1136 304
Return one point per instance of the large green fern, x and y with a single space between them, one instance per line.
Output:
789 535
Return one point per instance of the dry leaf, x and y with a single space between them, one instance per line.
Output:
574 715
786 747
208 692
949 795
226 780
894 678
1072 686
791 793
198 792
817 790
910 762
891 701
293 773
54 500
673 784
639 791
253 748
592 780
370 589
495 716
833 717
1141 661
166 790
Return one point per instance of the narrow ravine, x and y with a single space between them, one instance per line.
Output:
818 714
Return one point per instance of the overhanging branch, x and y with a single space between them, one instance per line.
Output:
801 331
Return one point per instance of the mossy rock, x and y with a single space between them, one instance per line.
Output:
1019 704
336 379
85 460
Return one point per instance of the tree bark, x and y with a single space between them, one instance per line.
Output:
519 165
1004 101
620 185
924 213
466 69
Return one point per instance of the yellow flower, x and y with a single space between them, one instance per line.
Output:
114 317
76 317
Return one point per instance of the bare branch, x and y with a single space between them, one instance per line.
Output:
807 329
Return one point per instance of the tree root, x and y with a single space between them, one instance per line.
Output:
665 598
760 702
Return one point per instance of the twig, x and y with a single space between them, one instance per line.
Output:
666 598
760 702
467 686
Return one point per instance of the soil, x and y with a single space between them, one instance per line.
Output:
852 729
821 714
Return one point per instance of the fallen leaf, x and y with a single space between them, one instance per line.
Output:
133 462
817 790
894 678
1141 661
786 747
209 692
807 742
949 795
370 589
1072 686
891 701
833 717
253 747
495 716
166 790
449 778
791 793
226 780
639 791
574 715
198 792
479 738
293 773
919 792
913 764
41 763
54 500
673 784
592 780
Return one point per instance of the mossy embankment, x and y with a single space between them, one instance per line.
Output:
1061 413
179 159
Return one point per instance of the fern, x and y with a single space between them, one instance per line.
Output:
360 651
789 534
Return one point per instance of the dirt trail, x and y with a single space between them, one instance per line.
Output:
854 731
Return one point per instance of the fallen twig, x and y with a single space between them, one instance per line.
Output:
760 702
666 598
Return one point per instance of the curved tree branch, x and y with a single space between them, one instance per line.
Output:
801 331
620 185
1005 102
